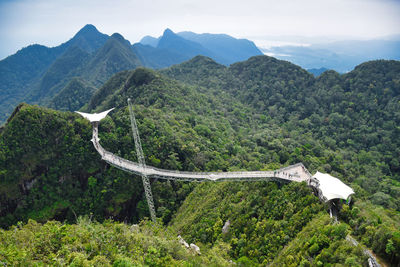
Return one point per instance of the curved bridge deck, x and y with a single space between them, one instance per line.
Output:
293 173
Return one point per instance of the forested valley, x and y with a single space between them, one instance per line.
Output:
60 204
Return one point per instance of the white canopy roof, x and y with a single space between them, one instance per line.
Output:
95 116
332 187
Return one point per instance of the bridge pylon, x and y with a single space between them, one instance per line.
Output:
142 163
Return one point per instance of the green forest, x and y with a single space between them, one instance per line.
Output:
58 197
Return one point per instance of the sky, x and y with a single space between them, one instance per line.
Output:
52 22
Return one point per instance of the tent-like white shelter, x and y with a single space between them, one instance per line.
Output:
332 187
95 117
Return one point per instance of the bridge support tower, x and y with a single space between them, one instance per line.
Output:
142 163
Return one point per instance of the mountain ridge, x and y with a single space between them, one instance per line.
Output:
116 55
88 39
22 72
36 74
222 45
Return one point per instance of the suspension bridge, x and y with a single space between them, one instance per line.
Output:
293 173
326 186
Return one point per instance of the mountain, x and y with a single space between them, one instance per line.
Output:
116 55
260 114
171 48
36 74
273 85
329 104
89 55
179 45
156 58
325 108
263 82
149 40
20 71
200 70
35 70
58 75
88 39
227 49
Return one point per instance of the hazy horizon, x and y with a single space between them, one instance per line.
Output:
50 23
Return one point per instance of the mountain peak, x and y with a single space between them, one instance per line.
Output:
88 38
88 28
89 31
173 41
114 56
117 36
120 38
168 31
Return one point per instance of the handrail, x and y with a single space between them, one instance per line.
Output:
295 173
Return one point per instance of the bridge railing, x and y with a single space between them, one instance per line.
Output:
283 173
170 174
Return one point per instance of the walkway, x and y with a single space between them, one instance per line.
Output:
292 173
372 262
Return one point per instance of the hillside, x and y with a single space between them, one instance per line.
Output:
324 109
73 96
323 242
182 128
116 55
267 224
89 243
260 114
156 58
35 68
49 170
59 73
20 71
263 217
93 69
